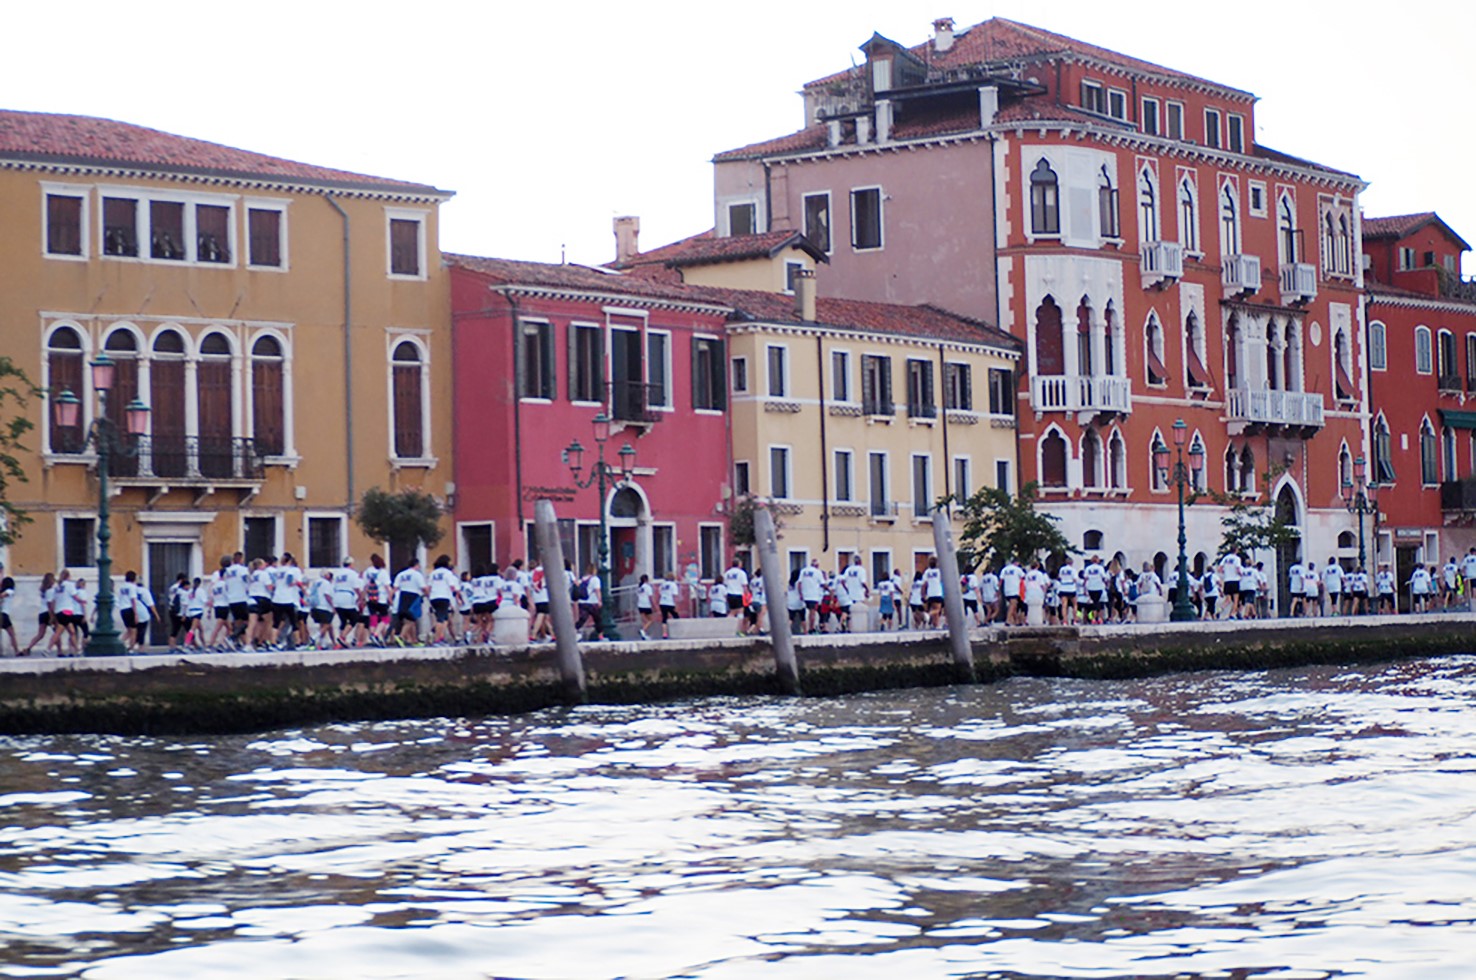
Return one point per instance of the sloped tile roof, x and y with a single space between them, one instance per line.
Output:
45 137
810 138
1397 226
706 247
513 272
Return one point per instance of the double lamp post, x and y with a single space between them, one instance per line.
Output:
109 440
1181 476
602 474
1361 499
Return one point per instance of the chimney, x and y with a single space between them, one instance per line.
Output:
942 34
627 234
804 294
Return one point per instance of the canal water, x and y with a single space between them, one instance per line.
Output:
1290 824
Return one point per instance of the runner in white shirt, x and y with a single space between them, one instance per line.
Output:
855 588
377 589
1468 569
1332 580
1094 583
933 592
1419 589
443 587
1066 580
646 605
1450 581
409 593
542 627
220 605
1294 585
890 597
812 590
968 587
286 596
755 609
348 600
144 611
989 595
735 583
717 600
1386 584
1230 571
1011 585
7 596
667 590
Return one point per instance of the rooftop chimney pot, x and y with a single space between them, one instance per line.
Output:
627 237
804 294
942 34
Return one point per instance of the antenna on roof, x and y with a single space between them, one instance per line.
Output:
563 259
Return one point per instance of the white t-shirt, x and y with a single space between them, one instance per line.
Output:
717 599
1385 582
346 586
443 583
989 587
286 580
1419 581
735 580
143 603
668 592
645 595
1230 568
1010 578
1066 579
261 584
236 580
410 581
1094 577
1468 567
376 585
932 583
1294 578
811 583
1332 577
854 580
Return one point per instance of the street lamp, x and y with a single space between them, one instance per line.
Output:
1360 499
1180 474
600 474
110 441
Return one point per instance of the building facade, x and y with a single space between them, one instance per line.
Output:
284 323
1422 389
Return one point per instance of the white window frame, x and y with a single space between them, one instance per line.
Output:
1121 98
722 549
872 567
1009 470
791 269
419 216
671 557
1171 108
664 367
1235 132
1157 114
850 397
930 479
741 202
850 470
1189 237
788 474
52 189
967 462
142 224
1428 350
747 476
462 562
886 478
62 516
1091 85
308 516
785 390
394 336
248 390
733 371
541 324
280 537
1255 189
250 204
1378 346
599 331
829 216
1214 138
881 224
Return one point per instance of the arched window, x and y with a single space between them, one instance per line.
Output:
1383 459
1153 344
1291 357
1053 460
1107 205
1157 478
1378 347
1346 539
1196 446
1116 461
1050 357
1286 224
1091 459
1345 466
1447 453
122 349
1344 249
1091 541
1194 352
1422 350
1232 352
1342 363
1275 376
1445 361
167 405
1147 206
1329 243
1232 470
409 428
1470 361
214 383
1429 455
1229 222
1247 470
1045 202
1112 346
268 396
64 373
1084 361
1188 216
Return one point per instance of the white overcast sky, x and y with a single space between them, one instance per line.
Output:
548 119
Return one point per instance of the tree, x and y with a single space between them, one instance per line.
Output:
740 520
401 520
16 391
1250 525
999 527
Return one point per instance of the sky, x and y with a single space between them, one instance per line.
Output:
548 120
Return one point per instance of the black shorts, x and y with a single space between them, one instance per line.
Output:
971 605
734 601
5 623
541 608
222 613
483 608
935 603
240 611
1096 598
441 609
283 612
141 633
44 619
407 605
378 608
260 606
322 617
347 617
668 612
811 604
1230 588
126 615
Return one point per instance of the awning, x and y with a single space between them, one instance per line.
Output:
1455 419
1198 376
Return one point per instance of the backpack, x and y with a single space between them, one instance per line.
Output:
1133 591
581 590
371 590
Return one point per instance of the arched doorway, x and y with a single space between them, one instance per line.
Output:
1288 552
627 514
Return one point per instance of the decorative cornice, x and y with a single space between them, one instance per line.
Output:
849 333
606 296
1376 298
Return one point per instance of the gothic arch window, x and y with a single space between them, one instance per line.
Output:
1153 350
1292 357
1198 377
1053 459
1188 216
1247 470
1232 352
1112 343
1232 470
1383 459
1091 459
1229 221
268 396
1275 375
1107 205
1045 200
1422 350
1342 365
1116 461
1344 250
1448 453
1147 206
1050 356
1288 237
1378 347
1085 364
1345 466
64 372
408 394
1157 477
1429 455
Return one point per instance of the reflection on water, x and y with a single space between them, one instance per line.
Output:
1290 825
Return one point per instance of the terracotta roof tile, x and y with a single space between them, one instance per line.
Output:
706 247
810 138
54 138
1396 226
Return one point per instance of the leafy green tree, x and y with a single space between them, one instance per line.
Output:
999 527
401 520
740 520
1250 525
16 392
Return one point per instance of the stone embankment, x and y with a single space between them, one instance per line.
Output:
217 693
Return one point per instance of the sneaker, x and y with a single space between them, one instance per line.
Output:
644 636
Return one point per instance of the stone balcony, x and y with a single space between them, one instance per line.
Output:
1241 275
1298 282
1161 263
1081 393
1296 409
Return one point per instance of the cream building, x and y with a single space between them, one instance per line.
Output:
286 324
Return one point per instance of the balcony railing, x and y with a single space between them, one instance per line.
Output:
1081 393
1458 495
1241 274
635 401
1267 407
878 406
922 410
190 459
1162 262
1298 282
883 510
1450 382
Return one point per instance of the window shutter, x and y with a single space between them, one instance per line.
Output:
167 415
718 375
408 441
868 384
267 420
888 408
66 375
214 381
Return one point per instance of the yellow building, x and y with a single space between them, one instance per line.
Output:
854 418
286 324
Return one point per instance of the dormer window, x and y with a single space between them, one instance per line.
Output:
741 218
1093 98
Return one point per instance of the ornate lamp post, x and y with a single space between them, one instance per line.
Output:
110 441
1180 475
601 474
1360 499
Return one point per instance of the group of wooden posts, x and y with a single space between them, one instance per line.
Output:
776 585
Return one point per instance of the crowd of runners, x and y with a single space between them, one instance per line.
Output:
270 603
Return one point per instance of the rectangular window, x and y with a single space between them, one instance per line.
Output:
212 233
1001 391
404 236
881 565
1257 198
920 403
1149 122
740 374
778 472
536 377
258 537
741 218
264 231
922 486
1117 104
876 385
1093 98
866 218
166 230
78 535
1236 133
741 483
962 482
876 469
325 542
958 387
1212 127
1174 119
1378 349
844 488
587 545
710 550
1406 259
586 363
708 391
840 376
777 362
658 370
791 272
817 220
478 546
63 224
1002 475
120 226
663 550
